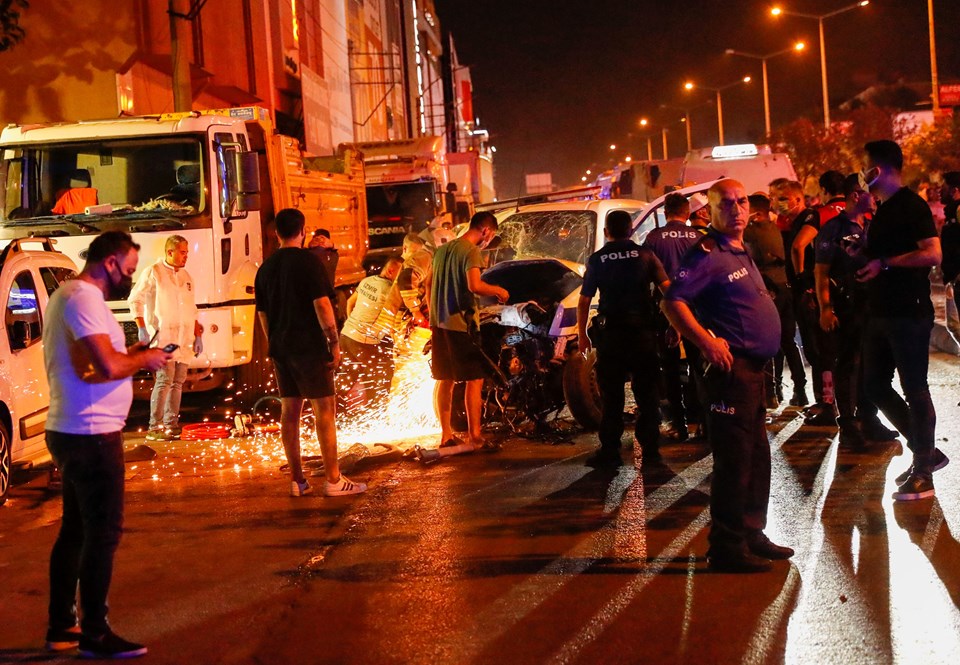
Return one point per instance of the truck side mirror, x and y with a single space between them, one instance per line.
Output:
19 335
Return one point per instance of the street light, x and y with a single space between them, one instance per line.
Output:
777 11
799 46
690 85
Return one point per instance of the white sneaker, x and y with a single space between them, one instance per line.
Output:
343 487
300 489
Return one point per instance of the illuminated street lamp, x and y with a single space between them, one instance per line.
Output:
799 46
690 85
777 11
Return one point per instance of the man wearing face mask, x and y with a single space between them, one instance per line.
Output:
801 224
89 367
454 287
902 245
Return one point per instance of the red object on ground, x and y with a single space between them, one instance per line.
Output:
205 432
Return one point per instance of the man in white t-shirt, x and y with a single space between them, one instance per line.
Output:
367 365
162 302
89 368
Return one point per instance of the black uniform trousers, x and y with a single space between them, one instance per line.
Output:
627 353
841 353
808 322
740 488
783 299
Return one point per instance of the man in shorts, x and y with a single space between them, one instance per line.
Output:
455 324
294 304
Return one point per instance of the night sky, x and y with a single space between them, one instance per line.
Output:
557 81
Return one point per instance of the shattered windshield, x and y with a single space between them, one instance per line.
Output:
107 177
552 234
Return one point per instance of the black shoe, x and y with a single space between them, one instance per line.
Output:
62 639
740 562
851 437
874 430
915 487
825 417
650 453
799 397
605 457
937 462
678 433
772 402
764 547
109 646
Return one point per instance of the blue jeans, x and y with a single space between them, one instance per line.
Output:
92 471
902 344
167 391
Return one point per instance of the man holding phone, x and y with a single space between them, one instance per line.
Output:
89 369
163 301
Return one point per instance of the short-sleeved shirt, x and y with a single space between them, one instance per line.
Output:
765 244
899 224
452 305
670 242
77 406
624 273
361 326
723 285
834 237
286 285
807 217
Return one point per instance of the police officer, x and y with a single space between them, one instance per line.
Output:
841 244
624 334
718 301
670 242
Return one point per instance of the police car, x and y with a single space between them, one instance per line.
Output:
30 271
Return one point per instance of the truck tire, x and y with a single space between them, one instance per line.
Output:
580 389
458 409
6 454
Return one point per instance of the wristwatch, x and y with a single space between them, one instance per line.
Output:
884 265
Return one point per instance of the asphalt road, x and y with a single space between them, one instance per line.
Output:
522 556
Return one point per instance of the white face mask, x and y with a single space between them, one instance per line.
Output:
868 178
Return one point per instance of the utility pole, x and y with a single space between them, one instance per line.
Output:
935 96
179 11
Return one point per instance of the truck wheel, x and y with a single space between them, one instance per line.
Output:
458 409
5 462
580 389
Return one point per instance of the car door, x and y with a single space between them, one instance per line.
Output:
23 300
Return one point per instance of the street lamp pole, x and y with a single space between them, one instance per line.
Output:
799 46
777 11
663 134
934 79
689 85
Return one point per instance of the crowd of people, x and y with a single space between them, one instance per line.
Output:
849 277
738 278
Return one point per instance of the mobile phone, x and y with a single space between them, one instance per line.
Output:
170 348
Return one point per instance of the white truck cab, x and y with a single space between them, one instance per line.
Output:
30 271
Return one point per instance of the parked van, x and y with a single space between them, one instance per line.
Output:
30 271
753 165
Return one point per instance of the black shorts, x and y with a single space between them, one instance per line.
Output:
306 377
457 356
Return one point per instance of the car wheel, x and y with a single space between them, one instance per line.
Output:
5 462
580 389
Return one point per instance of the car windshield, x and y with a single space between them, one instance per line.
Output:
131 176
555 234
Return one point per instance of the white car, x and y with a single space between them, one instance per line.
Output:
30 271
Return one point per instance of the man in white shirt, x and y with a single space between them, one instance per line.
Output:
367 366
89 368
163 302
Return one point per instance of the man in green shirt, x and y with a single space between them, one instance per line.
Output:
455 323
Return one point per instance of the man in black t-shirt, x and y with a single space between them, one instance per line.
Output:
902 244
624 333
802 224
294 304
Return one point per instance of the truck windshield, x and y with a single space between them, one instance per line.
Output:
555 234
395 210
124 177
